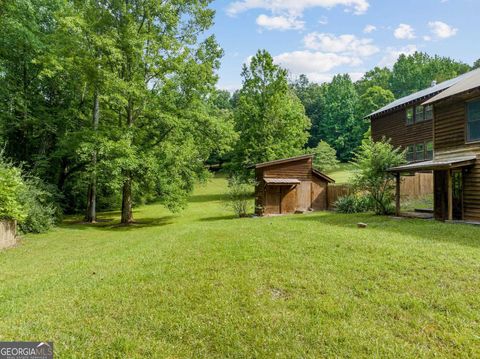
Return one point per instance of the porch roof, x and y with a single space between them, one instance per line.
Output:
281 181
444 164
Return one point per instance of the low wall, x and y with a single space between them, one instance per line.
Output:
8 234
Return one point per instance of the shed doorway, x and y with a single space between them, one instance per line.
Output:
446 183
281 199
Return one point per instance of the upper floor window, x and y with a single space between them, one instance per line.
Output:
420 152
410 119
410 153
419 114
473 121
428 112
429 150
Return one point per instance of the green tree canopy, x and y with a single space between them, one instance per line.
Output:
375 98
269 117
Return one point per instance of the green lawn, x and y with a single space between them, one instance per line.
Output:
343 173
201 284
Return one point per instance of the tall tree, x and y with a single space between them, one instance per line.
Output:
373 99
269 117
343 125
312 97
417 71
379 76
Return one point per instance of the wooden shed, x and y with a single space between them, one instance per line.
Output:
290 185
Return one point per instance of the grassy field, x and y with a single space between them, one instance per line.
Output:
343 173
202 284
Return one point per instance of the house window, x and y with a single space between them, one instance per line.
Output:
410 119
428 112
420 152
410 153
473 121
419 114
429 151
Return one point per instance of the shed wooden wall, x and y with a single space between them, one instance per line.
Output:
310 193
450 141
393 126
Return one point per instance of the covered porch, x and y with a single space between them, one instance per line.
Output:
448 177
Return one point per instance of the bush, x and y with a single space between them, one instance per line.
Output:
353 204
11 186
239 196
372 161
41 208
26 200
325 157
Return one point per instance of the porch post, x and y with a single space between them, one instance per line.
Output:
450 195
397 194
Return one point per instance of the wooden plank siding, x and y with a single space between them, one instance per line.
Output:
450 142
394 126
310 193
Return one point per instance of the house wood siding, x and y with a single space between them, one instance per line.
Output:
450 142
310 193
394 126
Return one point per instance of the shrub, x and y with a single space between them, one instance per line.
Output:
325 157
26 200
11 186
239 196
41 208
353 204
372 161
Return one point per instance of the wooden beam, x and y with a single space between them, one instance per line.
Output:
397 195
450 196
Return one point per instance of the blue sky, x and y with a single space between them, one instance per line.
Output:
325 37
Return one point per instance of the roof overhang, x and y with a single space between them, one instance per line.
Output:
468 84
283 160
281 181
323 176
436 165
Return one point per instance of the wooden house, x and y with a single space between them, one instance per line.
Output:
290 185
454 113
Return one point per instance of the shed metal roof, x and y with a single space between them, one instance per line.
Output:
283 160
465 85
423 94
282 181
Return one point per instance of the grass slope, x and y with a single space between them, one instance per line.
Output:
343 173
201 284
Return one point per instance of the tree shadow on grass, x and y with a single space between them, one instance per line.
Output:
462 234
114 225
217 218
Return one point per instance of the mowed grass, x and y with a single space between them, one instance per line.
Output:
343 173
202 284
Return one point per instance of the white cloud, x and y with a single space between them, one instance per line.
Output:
392 54
323 20
280 22
295 7
442 30
404 31
369 29
345 44
355 76
314 63
427 38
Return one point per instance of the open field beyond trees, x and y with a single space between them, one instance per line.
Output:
202 284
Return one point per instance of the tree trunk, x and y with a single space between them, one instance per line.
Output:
91 215
127 214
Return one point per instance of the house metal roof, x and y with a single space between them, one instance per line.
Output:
423 94
465 85
436 164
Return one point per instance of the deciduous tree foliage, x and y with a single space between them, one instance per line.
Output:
269 116
375 98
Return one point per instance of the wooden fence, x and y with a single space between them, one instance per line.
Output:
8 234
417 186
